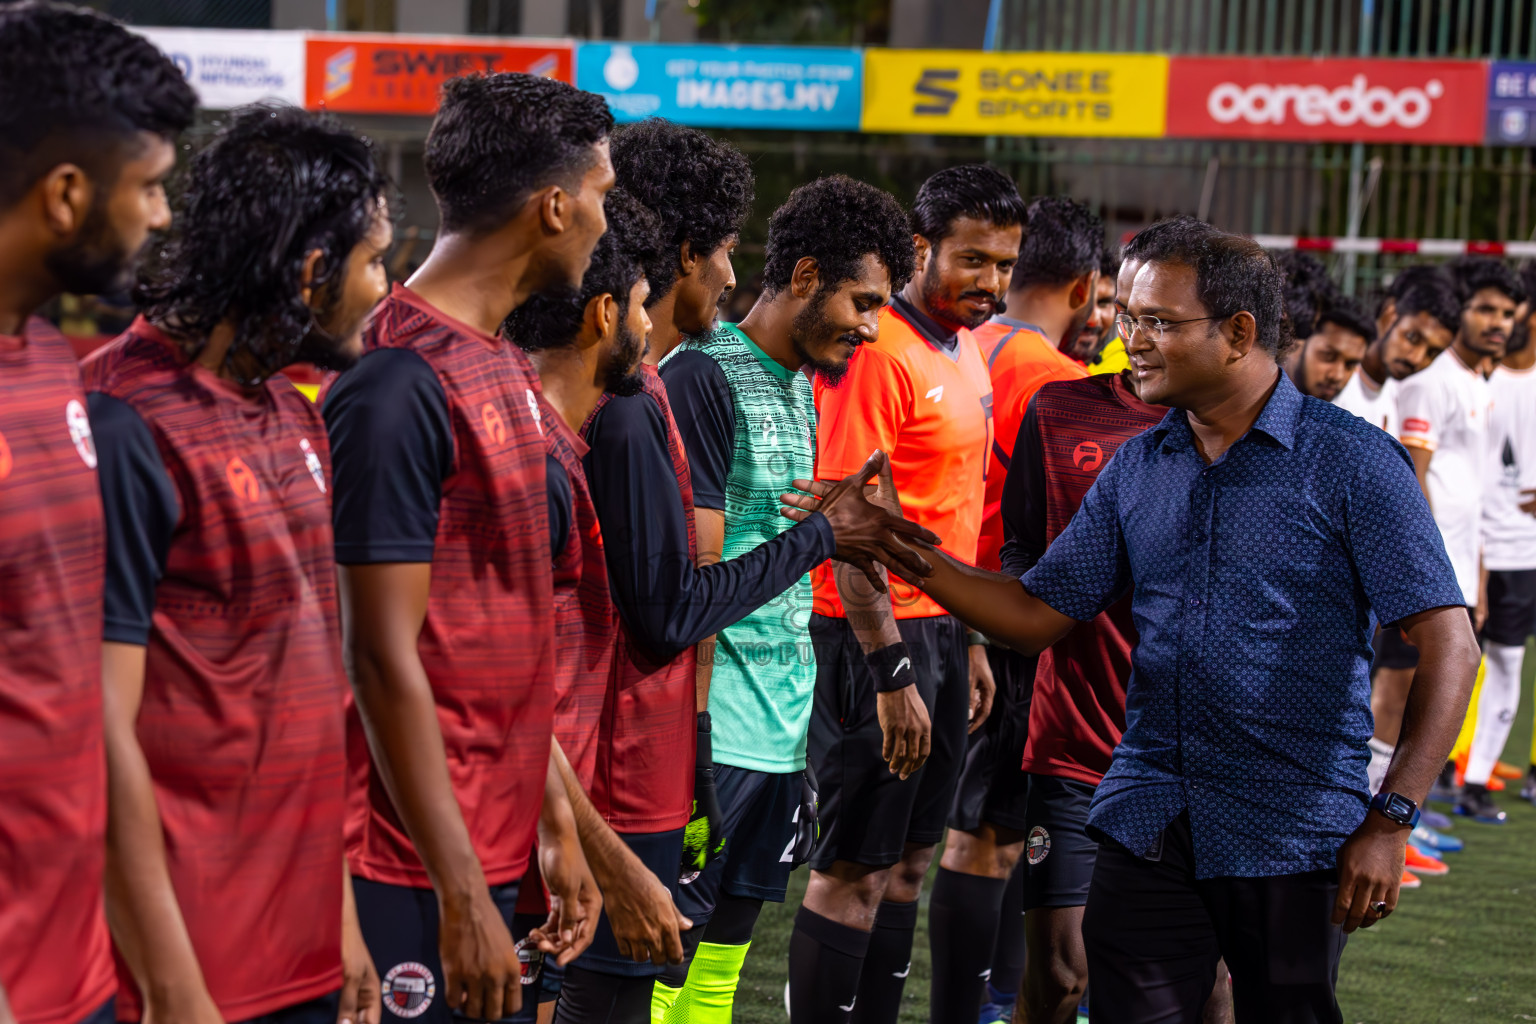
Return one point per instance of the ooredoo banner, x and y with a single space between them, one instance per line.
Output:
1419 101
793 87
387 74
231 68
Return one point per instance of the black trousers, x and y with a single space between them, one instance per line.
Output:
1154 933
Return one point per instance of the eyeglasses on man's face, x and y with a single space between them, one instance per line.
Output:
1153 327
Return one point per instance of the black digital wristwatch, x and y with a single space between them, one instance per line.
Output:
1396 807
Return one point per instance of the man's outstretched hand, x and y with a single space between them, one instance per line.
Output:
865 532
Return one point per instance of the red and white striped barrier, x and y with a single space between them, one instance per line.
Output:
1406 246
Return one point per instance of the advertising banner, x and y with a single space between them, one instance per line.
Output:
392 74
970 92
1511 104
789 87
1420 101
230 68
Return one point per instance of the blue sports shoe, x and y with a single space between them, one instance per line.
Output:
998 1009
1427 840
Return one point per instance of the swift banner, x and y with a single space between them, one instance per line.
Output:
387 74
231 68
970 92
1421 101
792 87
1511 104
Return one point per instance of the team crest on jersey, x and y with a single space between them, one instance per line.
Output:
1038 846
312 463
408 989
495 426
1087 456
80 432
533 407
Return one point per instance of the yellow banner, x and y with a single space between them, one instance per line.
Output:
970 92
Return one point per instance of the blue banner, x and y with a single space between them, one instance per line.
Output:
1511 104
789 87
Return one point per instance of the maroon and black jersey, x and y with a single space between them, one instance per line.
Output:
586 624
220 563
648 737
1070 432
438 442
55 954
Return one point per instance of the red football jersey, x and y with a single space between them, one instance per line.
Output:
55 954
1078 711
648 736
586 623
1020 358
244 687
486 642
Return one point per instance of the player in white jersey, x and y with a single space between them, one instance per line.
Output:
1417 321
1445 413
1509 540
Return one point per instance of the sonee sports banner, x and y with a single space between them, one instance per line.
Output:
970 92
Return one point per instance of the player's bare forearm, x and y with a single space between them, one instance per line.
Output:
608 855
1437 699
869 612
383 607
146 921
994 604
361 996
646 924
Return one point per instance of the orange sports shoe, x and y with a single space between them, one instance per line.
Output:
1423 864
1409 881
1504 770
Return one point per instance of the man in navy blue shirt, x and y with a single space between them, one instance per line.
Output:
1264 533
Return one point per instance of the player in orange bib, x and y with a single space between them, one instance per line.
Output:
887 667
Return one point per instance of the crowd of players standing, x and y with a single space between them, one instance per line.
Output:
609 683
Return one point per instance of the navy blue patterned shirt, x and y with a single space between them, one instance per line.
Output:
1259 580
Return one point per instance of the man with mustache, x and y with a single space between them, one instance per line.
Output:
897 677
1325 360
1260 532
87 138
1419 316
837 251
1098 344
1445 420
1050 294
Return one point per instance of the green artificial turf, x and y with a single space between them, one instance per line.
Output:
1461 949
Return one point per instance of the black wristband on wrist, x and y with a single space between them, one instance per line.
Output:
892 667
704 755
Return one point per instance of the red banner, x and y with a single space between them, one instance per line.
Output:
403 74
1419 101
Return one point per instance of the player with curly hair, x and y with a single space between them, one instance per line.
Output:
701 190
278 253
87 134
837 251
896 675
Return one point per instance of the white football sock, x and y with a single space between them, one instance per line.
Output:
1495 711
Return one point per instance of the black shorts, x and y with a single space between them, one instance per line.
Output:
993 787
867 814
1393 650
1058 854
760 810
1511 606
662 852
399 924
